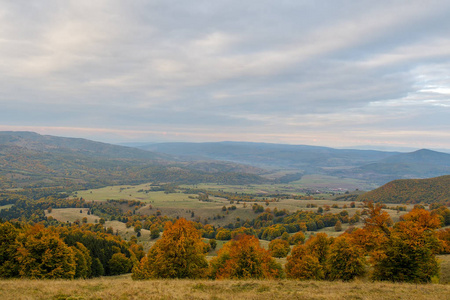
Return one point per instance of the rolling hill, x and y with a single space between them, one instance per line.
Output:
32 141
309 158
418 164
28 159
429 190
374 167
31 159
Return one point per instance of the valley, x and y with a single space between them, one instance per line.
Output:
115 206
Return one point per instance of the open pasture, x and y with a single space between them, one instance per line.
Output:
133 192
73 214
122 287
6 206
332 183
188 206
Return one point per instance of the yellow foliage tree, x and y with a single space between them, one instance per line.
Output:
279 248
43 254
177 254
9 266
243 257
345 260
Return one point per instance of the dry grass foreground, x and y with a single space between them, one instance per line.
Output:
124 288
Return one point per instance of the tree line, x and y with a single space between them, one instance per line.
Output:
405 251
86 251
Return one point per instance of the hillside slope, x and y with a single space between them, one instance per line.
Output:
31 160
373 167
429 190
310 158
418 164
62 145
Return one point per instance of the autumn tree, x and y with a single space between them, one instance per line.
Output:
83 261
178 254
119 264
243 257
223 234
377 220
319 246
97 268
406 251
444 237
302 265
213 244
43 254
8 250
137 250
154 232
297 238
279 248
138 227
345 260
285 236
338 226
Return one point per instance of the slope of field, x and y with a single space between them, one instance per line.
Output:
180 204
429 190
122 287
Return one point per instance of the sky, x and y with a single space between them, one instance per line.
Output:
332 73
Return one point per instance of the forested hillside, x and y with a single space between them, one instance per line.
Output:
370 166
31 160
310 158
418 164
432 190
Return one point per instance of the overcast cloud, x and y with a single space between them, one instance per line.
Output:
334 73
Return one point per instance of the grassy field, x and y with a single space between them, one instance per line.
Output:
73 214
122 287
183 205
331 182
444 265
327 184
6 206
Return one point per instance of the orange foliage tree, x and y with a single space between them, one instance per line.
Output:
243 257
319 246
406 251
178 254
302 265
444 237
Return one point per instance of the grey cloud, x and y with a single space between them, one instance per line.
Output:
226 66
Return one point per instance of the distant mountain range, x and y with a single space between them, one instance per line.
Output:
28 158
270 155
57 145
372 166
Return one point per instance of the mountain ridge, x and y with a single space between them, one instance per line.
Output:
28 159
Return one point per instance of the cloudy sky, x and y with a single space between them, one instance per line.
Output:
333 73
